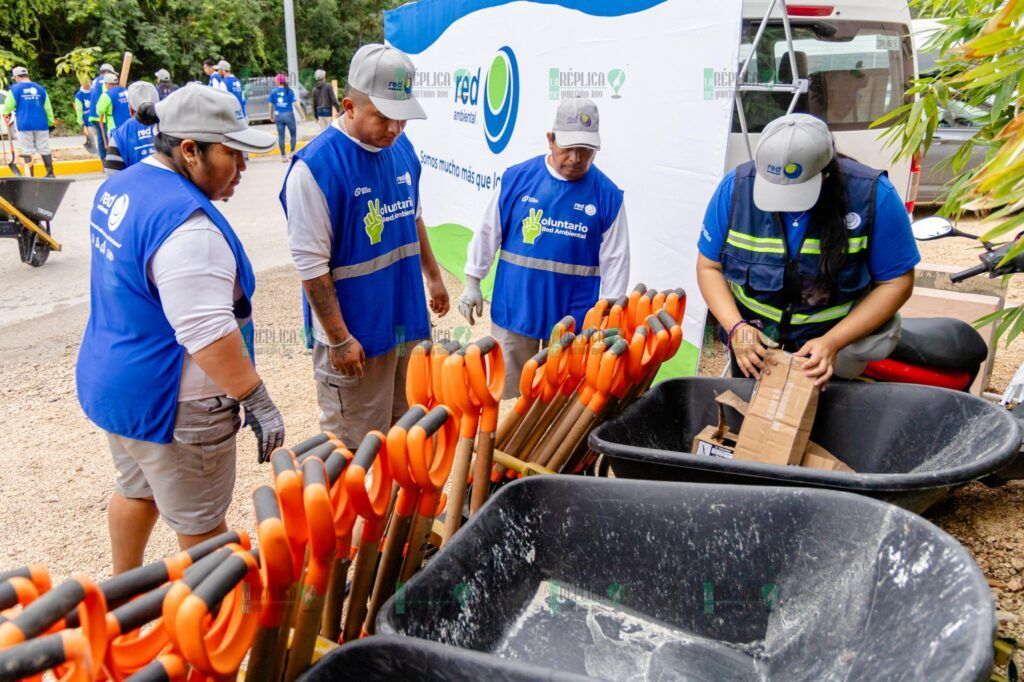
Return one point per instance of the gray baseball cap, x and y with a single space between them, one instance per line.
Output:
792 152
141 92
577 124
162 75
107 67
19 71
386 75
223 66
319 74
109 77
204 114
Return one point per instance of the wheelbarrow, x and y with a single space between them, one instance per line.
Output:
908 444
27 205
651 580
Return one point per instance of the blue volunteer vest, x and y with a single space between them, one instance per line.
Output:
551 232
134 140
96 89
216 81
119 100
375 250
29 113
129 364
82 98
234 86
783 292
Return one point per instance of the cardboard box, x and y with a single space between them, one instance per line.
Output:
778 422
818 457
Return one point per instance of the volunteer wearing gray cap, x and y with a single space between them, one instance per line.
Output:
231 84
132 141
33 114
353 204
325 101
164 86
167 354
99 134
561 226
808 250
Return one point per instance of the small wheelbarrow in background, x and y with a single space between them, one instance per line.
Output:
27 205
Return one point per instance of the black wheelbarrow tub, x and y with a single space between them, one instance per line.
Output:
387 659
37 198
750 582
908 444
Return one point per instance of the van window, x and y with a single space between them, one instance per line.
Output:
857 71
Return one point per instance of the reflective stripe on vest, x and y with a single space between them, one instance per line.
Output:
775 245
550 265
379 263
775 314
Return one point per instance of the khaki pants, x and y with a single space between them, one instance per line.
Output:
517 350
351 407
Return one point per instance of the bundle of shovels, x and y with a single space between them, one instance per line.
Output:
197 614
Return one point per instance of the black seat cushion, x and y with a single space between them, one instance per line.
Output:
941 342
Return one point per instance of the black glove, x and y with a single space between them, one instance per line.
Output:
266 421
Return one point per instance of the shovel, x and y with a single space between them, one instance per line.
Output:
277 573
485 369
371 505
456 390
418 387
344 521
13 163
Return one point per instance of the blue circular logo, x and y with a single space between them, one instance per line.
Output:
501 99
793 170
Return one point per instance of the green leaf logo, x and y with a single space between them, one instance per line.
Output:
373 221
531 225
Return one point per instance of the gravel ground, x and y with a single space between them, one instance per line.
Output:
58 476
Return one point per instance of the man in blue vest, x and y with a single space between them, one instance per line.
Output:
561 226
353 205
81 105
808 250
210 69
132 141
92 118
30 105
231 84
112 106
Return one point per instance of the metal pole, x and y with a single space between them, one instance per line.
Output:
289 37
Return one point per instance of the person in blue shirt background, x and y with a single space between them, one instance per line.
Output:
112 106
231 84
99 135
808 250
282 112
81 105
210 69
33 114
132 141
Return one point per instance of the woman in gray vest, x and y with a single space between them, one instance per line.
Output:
807 250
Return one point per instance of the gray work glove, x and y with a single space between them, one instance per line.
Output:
472 300
266 421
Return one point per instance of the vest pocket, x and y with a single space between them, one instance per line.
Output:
759 276
854 277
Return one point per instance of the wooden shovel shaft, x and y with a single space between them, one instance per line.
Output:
362 581
558 432
419 536
334 603
457 492
508 425
577 433
535 439
482 471
387 571
307 622
518 439
263 665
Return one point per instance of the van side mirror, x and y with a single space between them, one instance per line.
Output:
930 228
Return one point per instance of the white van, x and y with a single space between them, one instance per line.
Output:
859 60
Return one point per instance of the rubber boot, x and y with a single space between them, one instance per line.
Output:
48 163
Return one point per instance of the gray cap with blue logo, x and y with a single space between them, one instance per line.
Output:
790 156
577 124
386 74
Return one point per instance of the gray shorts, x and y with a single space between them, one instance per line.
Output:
516 350
31 142
192 478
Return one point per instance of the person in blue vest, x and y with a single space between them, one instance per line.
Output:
81 106
359 244
99 133
167 355
33 115
132 142
231 84
560 224
112 106
807 250
210 69
282 112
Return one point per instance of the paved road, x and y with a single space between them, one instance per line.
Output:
63 282
307 129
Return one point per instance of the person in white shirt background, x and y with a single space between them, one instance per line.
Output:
561 226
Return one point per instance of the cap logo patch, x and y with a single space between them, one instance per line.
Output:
401 83
852 221
585 120
793 170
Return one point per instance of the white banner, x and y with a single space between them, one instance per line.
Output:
491 72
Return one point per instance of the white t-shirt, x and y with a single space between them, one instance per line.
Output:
197 278
613 259
310 232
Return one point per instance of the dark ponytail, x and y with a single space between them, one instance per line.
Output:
165 144
829 214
